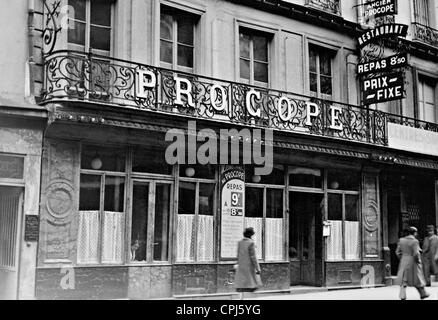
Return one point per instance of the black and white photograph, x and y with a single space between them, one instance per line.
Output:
241 151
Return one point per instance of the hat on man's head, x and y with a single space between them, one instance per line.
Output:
412 230
249 232
430 227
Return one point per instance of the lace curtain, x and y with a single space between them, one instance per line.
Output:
274 239
257 224
112 242
352 240
205 238
334 241
88 237
184 237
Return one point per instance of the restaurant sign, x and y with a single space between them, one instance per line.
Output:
383 88
232 211
384 30
383 65
411 139
380 8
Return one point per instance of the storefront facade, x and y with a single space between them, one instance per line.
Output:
118 221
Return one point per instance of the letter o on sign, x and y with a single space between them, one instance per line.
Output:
280 102
214 95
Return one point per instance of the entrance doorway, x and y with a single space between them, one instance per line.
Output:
150 220
11 204
305 238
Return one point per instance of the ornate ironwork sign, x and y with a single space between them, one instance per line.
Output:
383 88
51 28
383 65
83 77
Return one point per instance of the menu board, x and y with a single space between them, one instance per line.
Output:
232 211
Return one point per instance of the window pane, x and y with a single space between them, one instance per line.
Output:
312 60
187 196
166 51
151 161
261 72
101 12
305 177
197 171
260 48
161 221
79 9
244 69
76 35
185 30
343 180
275 177
325 64
326 85
11 167
140 210
253 202
100 38
274 203
89 196
166 26
313 82
114 194
103 158
185 56
351 208
206 198
334 207
244 45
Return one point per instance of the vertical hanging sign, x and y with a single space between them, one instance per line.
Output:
232 211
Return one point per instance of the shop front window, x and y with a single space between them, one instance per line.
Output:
264 212
343 215
195 223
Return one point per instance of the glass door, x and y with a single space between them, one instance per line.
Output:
150 221
305 238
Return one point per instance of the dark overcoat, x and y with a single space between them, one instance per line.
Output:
410 271
430 251
247 265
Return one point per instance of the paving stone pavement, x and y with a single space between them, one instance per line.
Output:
382 293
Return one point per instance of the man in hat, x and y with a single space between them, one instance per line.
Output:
430 251
410 271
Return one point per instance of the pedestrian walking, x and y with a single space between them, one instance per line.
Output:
410 272
430 254
248 268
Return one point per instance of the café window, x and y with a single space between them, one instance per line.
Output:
422 12
427 99
91 22
343 215
177 39
264 212
320 71
254 57
305 177
101 206
196 218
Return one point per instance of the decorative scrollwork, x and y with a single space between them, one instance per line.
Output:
51 28
331 6
425 34
79 76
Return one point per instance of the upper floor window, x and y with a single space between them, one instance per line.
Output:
254 57
320 71
427 99
422 12
177 39
91 26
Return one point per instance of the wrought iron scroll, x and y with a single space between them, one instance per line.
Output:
51 28
76 76
332 6
425 34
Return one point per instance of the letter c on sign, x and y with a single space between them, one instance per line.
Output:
251 111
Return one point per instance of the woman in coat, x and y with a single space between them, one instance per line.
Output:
247 264
410 272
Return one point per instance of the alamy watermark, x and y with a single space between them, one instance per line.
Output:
230 146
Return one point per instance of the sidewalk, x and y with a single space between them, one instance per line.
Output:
382 293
